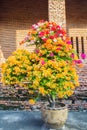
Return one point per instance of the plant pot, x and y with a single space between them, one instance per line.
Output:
55 118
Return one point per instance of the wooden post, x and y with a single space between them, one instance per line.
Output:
77 46
82 44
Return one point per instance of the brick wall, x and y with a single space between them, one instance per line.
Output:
16 17
76 19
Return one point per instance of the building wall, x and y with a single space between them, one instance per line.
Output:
16 17
76 20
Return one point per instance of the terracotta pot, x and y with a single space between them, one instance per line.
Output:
55 118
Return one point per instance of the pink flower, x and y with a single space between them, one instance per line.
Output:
42 62
26 38
83 56
51 54
35 26
41 34
79 61
37 51
58 48
44 39
69 42
75 61
72 55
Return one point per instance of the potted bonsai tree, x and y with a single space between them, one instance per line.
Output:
49 71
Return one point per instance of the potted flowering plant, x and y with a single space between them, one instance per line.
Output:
49 71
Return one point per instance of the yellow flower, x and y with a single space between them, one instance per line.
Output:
59 69
30 92
59 75
72 87
65 86
60 95
29 68
76 57
48 84
36 67
42 91
53 86
68 78
46 73
75 77
36 83
32 102
77 83
16 69
69 92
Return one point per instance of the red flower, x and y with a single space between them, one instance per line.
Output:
41 34
53 29
51 37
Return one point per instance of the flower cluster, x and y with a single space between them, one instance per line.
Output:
44 30
16 69
51 68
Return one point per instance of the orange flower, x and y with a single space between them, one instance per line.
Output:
49 46
34 32
22 42
80 65
32 38
49 41
55 43
29 32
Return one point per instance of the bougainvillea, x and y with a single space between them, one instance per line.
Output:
51 69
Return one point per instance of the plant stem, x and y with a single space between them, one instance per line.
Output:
51 100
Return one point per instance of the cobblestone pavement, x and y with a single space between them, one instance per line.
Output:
25 120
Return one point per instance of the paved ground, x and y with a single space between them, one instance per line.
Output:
25 120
